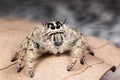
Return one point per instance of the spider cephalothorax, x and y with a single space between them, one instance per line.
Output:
53 37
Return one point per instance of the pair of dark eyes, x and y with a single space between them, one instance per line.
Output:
52 26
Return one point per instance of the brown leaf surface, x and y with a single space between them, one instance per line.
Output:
51 67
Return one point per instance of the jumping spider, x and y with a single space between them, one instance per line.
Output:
53 37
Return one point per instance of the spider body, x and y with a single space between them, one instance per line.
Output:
53 37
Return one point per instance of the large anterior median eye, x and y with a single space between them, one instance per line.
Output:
58 25
50 25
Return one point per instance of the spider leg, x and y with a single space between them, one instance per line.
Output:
15 57
75 56
71 64
29 62
90 51
17 54
31 56
82 60
21 60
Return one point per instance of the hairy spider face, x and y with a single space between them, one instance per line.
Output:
56 31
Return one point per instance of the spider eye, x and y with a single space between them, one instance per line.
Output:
58 25
50 25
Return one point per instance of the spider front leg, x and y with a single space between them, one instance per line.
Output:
29 62
30 57
32 49
21 60
76 54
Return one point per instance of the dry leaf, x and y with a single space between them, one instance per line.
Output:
51 67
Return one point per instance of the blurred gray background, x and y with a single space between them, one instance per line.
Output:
96 17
